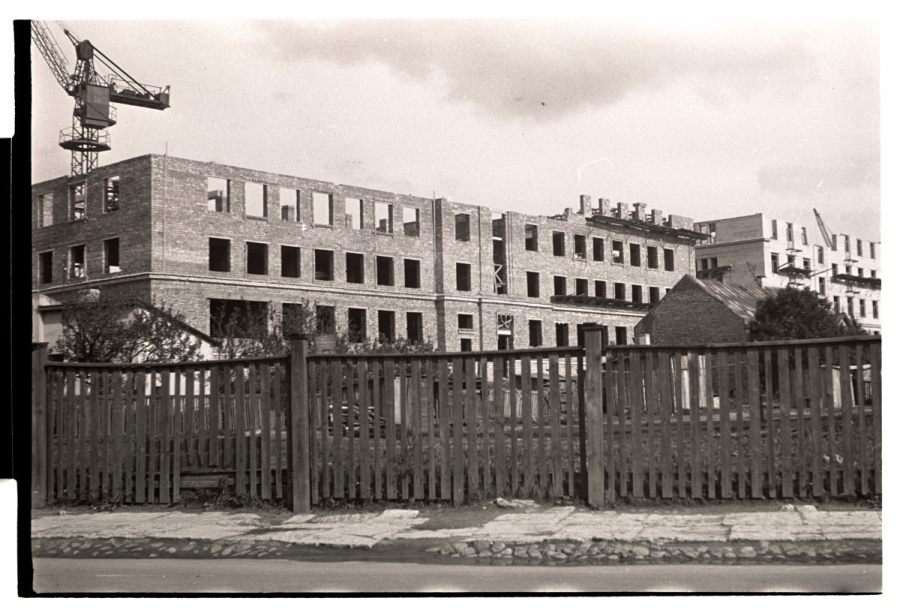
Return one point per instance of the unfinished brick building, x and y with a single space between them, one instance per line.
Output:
207 238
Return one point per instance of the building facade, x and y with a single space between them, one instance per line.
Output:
206 238
772 253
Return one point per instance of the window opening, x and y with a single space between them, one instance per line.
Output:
534 333
462 227
504 331
353 213
386 326
669 256
411 278
559 285
581 287
356 268
559 243
600 289
562 335
111 256
290 261
325 319
45 210
533 281
618 250
289 202
654 295
465 321
465 345
652 257
635 254
218 195
463 277
356 325
45 268
531 238
774 229
621 335
77 201
238 319
580 247
598 249
257 258
637 293
323 209
384 270
411 221
111 194
255 200
620 291
219 254
384 217
324 265
414 327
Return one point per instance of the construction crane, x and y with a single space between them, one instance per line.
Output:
93 93
826 234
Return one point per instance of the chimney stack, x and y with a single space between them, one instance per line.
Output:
623 210
639 213
657 217
604 206
586 205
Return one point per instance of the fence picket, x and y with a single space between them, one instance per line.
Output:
554 413
337 432
652 380
152 435
694 389
815 414
829 409
679 425
202 419
622 405
739 424
710 428
388 409
499 440
94 417
754 405
527 431
541 426
471 424
240 428
189 410
861 422
405 452
430 406
417 405
365 472
784 399
800 404
140 482
515 407
727 483
772 475
849 483
875 357
317 389
278 406
637 450
265 458
443 416
376 367
570 422
165 481
176 437
665 407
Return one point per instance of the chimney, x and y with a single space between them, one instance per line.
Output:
639 211
623 210
604 207
657 217
585 205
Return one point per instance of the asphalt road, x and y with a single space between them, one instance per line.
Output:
53 575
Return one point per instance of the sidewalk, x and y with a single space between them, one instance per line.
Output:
560 534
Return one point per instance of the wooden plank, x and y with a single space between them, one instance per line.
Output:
128 439
190 415
727 483
240 428
176 435
784 398
266 415
861 423
484 414
666 403
364 446
94 417
679 427
338 432
527 431
875 357
471 425
755 434
228 384
711 477
418 405
82 434
165 476
571 410
829 411
278 405
623 405
554 413
152 436
252 406
541 426
457 419
486 422
429 405
815 418
694 389
214 421
802 465
499 436
332 411
597 448
202 419
140 495
405 450
443 415
389 414
117 411
741 449
54 435
317 400
771 428
849 486
378 379
651 375
637 441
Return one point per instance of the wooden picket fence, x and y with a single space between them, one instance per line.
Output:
143 433
446 426
795 419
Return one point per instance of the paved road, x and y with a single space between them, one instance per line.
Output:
54 575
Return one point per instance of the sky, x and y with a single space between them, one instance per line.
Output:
704 119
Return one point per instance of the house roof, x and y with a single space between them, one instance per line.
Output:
741 300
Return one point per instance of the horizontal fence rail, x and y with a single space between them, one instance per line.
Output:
143 434
447 426
775 420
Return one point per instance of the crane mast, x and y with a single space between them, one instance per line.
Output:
93 92
826 234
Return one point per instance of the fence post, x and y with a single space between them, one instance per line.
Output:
298 426
593 424
38 425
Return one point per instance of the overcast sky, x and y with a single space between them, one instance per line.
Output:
724 119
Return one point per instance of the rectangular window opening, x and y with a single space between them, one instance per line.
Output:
559 286
562 335
410 221
581 287
289 202
257 258
669 259
462 227
325 320
600 289
77 194
620 291
324 265
531 238
411 273
414 331
559 243
45 210
384 270
237 319
535 338
111 194
218 195
353 213
465 321
384 217
635 254
618 252
621 335
652 257
580 247
533 280
637 293
323 209
111 256
356 325
356 268
598 249
774 229
219 254
463 277
465 345
290 261
45 268
255 199
654 295
386 326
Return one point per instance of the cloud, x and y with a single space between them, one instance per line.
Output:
851 172
544 70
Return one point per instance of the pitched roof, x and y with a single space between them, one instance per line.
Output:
739 299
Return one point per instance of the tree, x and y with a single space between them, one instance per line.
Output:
120 329
795 314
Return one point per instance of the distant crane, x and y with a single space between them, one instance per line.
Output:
93 93
826 234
